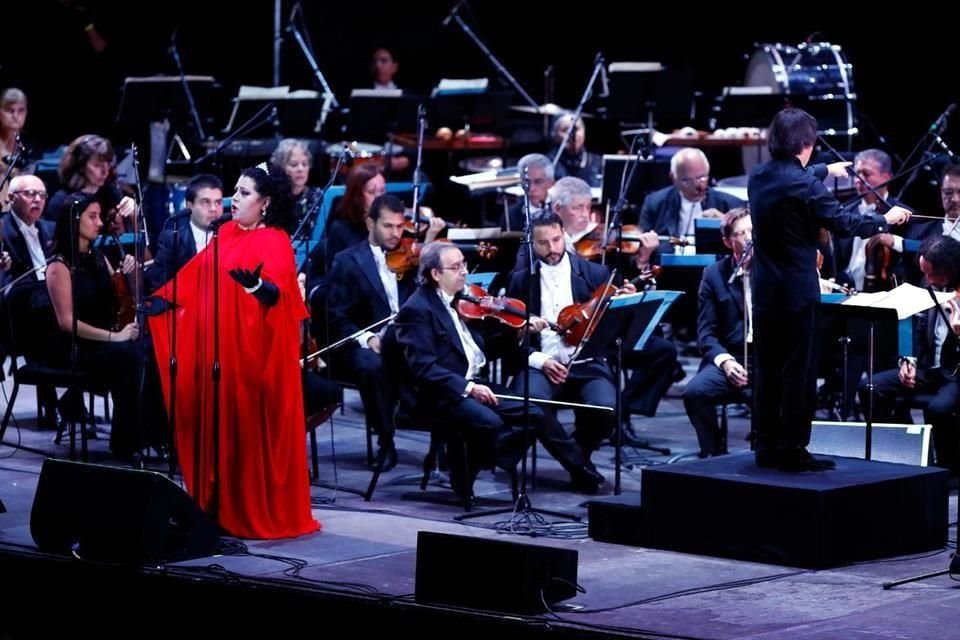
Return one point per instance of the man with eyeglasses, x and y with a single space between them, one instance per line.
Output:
540 175
671 211
26 238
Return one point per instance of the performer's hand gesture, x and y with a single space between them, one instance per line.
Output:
247 279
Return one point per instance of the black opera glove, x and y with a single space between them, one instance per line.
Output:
266 293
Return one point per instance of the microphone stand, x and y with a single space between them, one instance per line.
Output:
329 98
14 161
214 505
455 16
138 253
191 105
75 214
523 507
934 132
597 67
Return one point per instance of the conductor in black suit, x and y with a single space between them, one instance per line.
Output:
724 372
187 233
789 204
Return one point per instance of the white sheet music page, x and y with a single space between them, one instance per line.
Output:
907 299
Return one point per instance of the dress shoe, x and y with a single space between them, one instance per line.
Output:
799 460
586 479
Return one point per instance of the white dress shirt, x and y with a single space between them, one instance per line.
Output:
475 357
685 228
200 236
556 293
389 280
744 281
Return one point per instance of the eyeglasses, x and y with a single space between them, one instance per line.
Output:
460 266
693 180
30 194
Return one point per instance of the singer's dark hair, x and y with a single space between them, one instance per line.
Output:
64 240
388 202
943 254
274 184
790 132
202 181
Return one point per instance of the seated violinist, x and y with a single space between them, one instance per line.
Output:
671 211
107 347
932 368
570 199
563 279
443 367
363 290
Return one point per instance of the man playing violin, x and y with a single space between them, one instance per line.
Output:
363 290
563 279
671 211
790 204
441 372
933 369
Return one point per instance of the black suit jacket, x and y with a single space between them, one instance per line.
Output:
585 277
16 245
357 297
172 253
720 314
789 205
432 353
843 247
661 209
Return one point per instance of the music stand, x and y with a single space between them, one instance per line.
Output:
372 117
298 113
627 323
482 110
155 98
650 174
707 237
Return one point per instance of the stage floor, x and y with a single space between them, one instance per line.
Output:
367 552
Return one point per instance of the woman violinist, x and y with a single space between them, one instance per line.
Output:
79 283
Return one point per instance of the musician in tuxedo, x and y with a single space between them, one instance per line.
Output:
932 369
575 160
789 204
443 372
561 279
671 211
724 373
187 233
363 290
539 170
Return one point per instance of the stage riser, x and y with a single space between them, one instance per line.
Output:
727 507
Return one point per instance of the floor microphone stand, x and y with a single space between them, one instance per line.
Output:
329 98
213 507
75 213
523 507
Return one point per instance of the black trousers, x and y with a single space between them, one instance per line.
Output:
785 385
708 389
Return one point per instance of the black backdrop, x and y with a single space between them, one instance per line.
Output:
904 72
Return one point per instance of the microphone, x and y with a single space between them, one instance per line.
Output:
225 218
941 122
453 12
347 152
739 266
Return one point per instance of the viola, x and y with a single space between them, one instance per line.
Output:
576 322
476 304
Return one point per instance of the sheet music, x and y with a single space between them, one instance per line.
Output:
907 300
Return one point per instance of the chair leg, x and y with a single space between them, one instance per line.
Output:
9 411
430 460
723 429
314 456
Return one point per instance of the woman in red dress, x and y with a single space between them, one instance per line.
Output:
252 477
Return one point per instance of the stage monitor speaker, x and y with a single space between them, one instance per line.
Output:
492 574
901 443
112 514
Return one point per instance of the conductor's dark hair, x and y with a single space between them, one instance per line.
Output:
790 132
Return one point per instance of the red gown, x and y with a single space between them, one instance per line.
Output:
260 472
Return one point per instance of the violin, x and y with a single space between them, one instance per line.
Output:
407 254
592 245
576 322
476 304
879 276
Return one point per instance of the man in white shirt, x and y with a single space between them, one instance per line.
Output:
188 233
